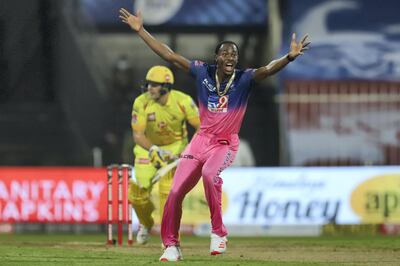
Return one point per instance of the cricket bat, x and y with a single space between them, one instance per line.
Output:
164 170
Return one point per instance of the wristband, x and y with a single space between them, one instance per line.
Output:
290 59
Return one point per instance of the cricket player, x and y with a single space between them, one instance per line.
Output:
222 92
159 117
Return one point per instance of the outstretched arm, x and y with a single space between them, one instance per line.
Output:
274 66
136 23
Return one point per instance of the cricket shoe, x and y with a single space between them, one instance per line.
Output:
142 235
180 251
172 253
218 244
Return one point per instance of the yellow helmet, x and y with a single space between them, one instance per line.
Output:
160 74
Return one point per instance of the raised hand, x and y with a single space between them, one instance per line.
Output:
297 49
135 22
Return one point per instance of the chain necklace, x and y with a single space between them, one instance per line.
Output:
227 85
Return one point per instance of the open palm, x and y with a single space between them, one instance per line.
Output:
298 48
135 22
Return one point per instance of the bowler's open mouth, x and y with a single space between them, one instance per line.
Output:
228 67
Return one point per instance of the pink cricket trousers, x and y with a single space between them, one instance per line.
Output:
206 156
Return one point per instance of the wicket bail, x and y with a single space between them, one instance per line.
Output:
124 215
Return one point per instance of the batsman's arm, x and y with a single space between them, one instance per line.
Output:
158 157
161 49
140 139
191 111
195 123
139 124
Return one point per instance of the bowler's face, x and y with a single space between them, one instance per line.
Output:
227 58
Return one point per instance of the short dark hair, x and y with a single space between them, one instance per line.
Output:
225 42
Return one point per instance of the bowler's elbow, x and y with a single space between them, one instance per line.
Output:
262 73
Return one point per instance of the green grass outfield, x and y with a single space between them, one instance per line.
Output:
64 249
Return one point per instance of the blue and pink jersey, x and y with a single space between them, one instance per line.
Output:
211 150
221 114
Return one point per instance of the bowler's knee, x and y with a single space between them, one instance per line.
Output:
207 173
176 195
211 178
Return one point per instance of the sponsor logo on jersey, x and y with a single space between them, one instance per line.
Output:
151 117
143 161
187 156
198 63
218 104
134 119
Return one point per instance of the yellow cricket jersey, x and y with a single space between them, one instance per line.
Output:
163 124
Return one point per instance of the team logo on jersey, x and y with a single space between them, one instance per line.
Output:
208 85
162 124
151 117
218 104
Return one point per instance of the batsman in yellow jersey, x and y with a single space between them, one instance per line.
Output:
159 117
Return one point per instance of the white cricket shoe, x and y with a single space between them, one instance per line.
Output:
142 235
218 244
172 253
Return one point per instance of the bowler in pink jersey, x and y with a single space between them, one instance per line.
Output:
222 92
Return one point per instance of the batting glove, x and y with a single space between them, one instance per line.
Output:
159 157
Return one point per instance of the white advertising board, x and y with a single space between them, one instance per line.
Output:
311 195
